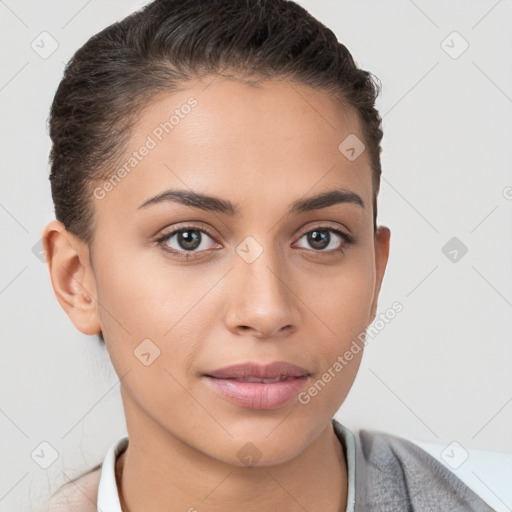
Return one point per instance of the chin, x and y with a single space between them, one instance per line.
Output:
259 451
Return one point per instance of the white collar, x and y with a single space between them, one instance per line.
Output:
108 496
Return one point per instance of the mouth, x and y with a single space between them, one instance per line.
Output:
250 370
256 386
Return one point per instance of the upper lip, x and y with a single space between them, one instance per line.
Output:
268 371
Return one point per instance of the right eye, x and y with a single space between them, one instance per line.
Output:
188 241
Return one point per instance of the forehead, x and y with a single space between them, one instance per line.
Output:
225 110
223 136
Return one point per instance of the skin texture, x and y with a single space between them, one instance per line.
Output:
261 148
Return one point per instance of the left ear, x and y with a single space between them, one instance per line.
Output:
382 238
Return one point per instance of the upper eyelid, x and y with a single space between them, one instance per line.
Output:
303 231
172 231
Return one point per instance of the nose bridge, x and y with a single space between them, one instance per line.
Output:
261 298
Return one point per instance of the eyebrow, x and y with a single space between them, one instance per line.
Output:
215 204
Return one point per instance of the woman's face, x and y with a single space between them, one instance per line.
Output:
265 283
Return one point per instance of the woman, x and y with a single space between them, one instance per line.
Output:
215 172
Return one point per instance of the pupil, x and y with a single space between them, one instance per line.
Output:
313 238
187 241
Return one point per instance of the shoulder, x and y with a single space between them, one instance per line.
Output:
79 495
395 471
387 453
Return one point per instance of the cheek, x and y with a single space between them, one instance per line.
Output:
148 297
341 299
165 304
341 313
150 322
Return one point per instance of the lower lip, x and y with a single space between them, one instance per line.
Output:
258 395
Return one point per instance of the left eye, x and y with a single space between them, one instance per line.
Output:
321 240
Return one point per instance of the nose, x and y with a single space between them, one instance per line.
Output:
261 301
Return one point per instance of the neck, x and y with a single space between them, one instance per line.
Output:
159 473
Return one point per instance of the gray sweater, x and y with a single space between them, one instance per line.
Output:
390 474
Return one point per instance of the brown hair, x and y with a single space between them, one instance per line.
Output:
163 46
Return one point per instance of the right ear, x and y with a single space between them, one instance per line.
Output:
72 276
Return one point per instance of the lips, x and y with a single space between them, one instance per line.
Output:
258 386
277 370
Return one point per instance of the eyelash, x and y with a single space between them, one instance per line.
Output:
346 240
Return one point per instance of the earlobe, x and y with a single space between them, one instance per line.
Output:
72 277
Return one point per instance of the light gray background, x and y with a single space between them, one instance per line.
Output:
439 372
